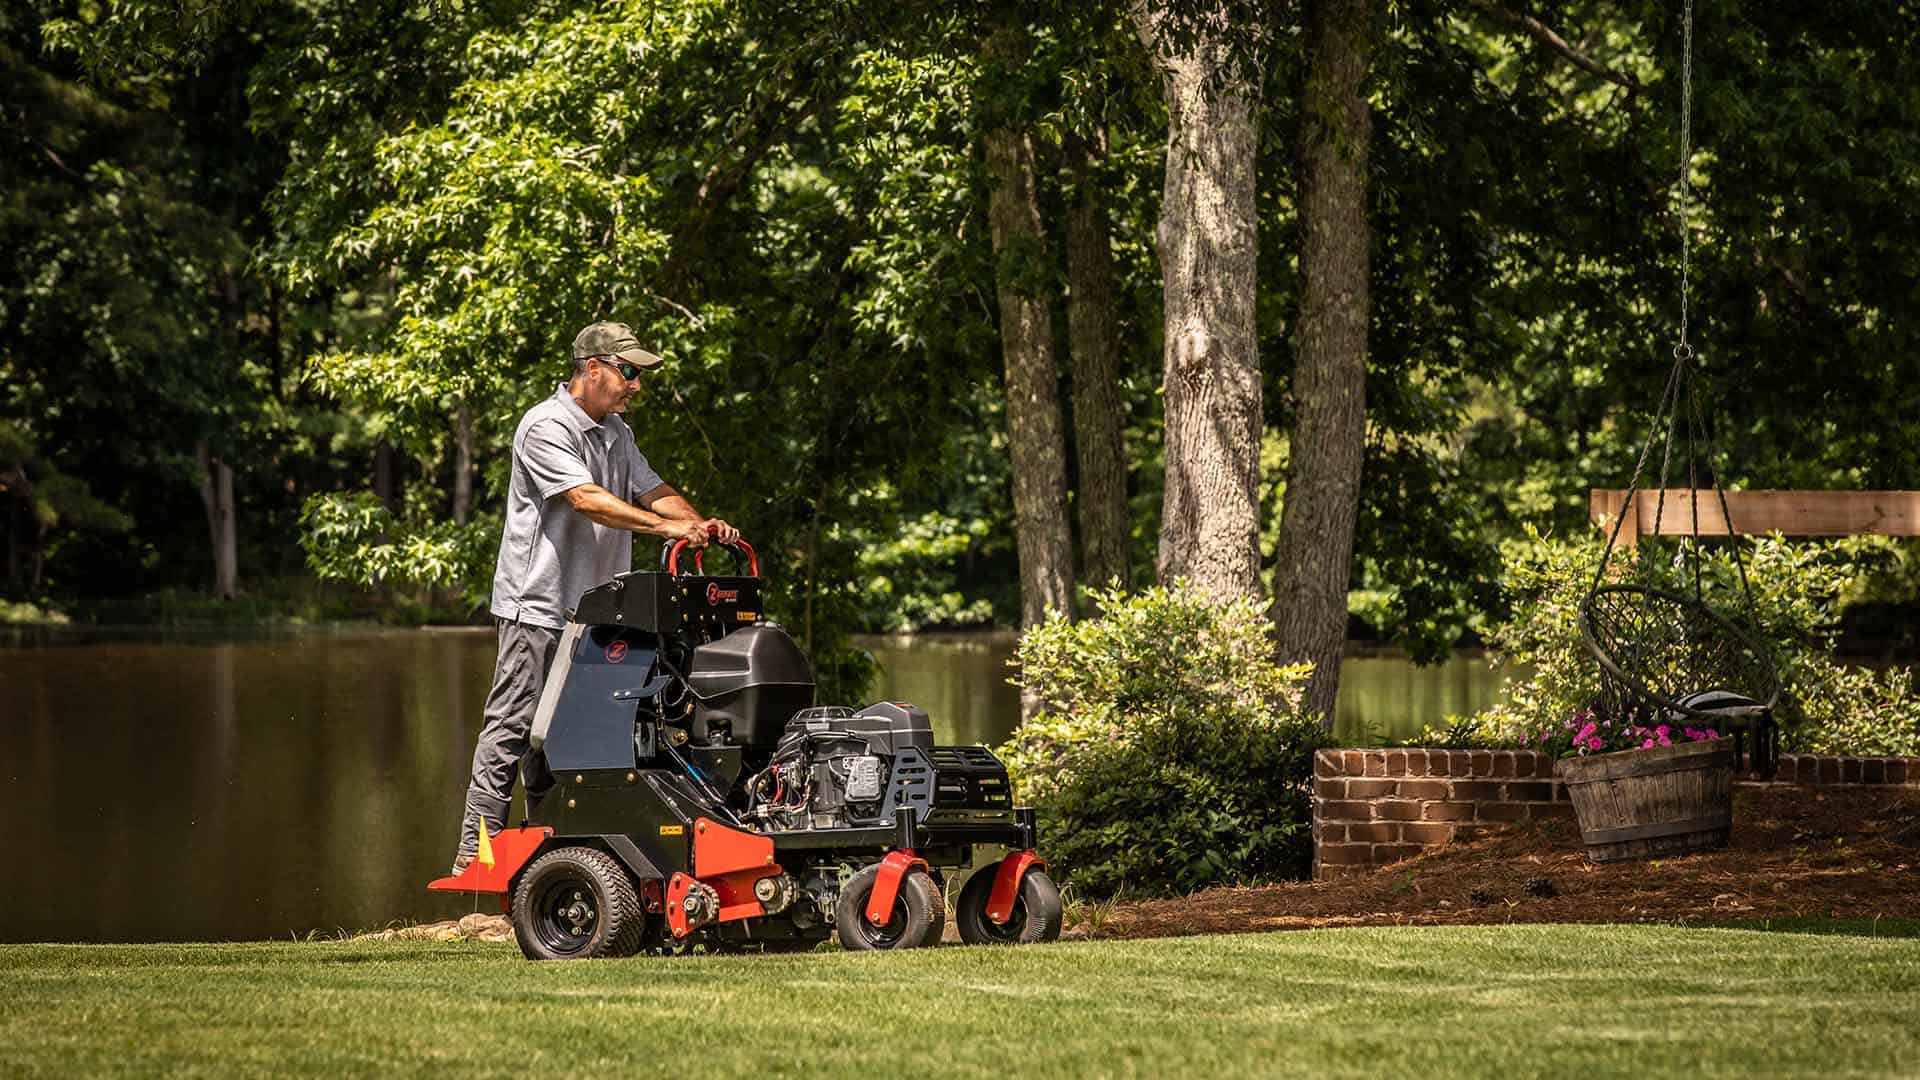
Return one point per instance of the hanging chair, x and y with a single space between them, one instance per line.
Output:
1666 656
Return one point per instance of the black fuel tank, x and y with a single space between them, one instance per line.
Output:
749 682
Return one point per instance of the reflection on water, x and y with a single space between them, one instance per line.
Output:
245 789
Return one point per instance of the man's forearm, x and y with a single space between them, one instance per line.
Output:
675 507
603 507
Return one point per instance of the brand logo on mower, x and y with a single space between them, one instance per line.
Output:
715 594
616 652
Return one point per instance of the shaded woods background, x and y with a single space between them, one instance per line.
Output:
280 277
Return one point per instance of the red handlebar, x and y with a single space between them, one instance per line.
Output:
673 557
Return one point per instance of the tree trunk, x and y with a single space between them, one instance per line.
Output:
216 494
1034 439
462 463
1210 520
386 475
1098 420
1315 550
15 486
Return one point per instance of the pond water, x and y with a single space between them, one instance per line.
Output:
180 788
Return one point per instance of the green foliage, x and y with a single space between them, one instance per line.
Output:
357 539
1171 753
1798 591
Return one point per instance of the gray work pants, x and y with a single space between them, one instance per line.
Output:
519 671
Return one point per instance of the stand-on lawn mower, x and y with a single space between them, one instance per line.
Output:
702 799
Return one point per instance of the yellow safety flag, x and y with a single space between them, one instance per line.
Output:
485 855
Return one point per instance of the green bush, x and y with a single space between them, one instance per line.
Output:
1171 752
1798 589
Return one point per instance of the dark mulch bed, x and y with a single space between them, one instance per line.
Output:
1844 853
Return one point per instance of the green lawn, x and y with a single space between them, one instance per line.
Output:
1471 1001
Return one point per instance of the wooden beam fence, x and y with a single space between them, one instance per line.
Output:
1791 513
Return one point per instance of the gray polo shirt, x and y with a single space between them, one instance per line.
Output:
551 553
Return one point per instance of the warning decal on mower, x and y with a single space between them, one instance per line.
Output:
616 652
673 830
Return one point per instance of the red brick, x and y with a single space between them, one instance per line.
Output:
1530 791
1502 811
1396 763
1850 770
1898 772
1829 770
1439 763
1873 771
1376 763
1370 789
1386 853
1523 763
1423 789
1353 762
1448 811
1377 832
1343 811
1420 832
1482 763
1333 873
1503 763
1419 763
1329 832
1475 789
1541 811
1330 789
1396 811
1806 769
1327 763
1346 854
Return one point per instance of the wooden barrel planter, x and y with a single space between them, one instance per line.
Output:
1664 800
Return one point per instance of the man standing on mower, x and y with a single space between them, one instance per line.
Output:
580 489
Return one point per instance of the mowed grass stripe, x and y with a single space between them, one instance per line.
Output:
1467 1001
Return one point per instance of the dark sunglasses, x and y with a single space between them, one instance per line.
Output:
627 371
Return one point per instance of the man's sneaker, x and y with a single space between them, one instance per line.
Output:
460 864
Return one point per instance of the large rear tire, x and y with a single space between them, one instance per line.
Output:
1035 917
911 924
577 903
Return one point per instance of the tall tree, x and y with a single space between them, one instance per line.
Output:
1022 271
1315 547
1098 417
1210 522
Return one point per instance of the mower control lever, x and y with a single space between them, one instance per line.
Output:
673 557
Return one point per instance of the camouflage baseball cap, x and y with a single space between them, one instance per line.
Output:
613 339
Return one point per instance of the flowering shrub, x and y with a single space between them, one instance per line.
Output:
1588 731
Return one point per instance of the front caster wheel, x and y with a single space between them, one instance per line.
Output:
577 903
1036 910
917 916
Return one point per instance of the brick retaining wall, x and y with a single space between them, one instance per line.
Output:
1373 807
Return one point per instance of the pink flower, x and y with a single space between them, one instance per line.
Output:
1581 735
1648 745
1593 743
1663 731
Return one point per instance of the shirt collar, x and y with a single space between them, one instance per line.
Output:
574 413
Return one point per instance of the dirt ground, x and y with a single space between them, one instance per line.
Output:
1845 853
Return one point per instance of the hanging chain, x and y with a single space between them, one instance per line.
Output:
1684 351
